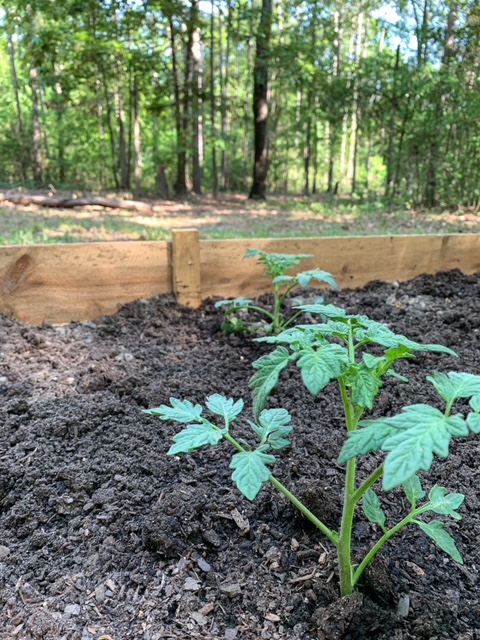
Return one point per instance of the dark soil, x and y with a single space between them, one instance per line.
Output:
103 536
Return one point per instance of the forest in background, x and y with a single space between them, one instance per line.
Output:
175 96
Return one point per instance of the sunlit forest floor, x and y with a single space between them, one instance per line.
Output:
229 216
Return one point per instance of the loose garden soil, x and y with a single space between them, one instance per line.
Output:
104 536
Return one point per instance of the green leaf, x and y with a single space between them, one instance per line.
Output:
369 436
273 419
398 376
436 530
265 379
251 471
423 431
305 277
451 386
475 403
284 280
413 490
473 422
302 336
225 407
277 264
235 303
195 436
327 310
319 366
181 411
275 426
373 509
445 504
381 334
365 386
372 361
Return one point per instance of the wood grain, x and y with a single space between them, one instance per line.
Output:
354 261
60 283
186 267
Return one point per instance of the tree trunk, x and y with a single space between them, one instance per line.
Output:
354 122
182 100
331 132
38 166
101 134
197 118
389 186
212 102
180 186
122 143
260 103
137 135
225 121
20 129
111 130
434 155
60 110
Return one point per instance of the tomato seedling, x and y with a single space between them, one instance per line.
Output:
276 267
336 350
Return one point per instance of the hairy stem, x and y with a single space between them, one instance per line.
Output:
376 548
370 481
331 535
345 539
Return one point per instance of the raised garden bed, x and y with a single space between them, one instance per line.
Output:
102 535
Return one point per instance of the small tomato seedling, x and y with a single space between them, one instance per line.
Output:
336 350
276 267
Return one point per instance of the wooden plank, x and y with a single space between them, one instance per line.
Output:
354 261
60 283
186 266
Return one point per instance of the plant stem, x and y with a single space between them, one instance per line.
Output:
363 488
345 539
331 535
376 548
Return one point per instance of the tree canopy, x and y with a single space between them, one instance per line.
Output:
362 97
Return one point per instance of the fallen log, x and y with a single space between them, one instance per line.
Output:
70 203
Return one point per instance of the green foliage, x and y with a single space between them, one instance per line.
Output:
336 350
276 266
417 117
251 465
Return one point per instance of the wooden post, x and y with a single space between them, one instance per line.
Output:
186 267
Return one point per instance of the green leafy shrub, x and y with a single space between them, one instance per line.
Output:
336 350
276 267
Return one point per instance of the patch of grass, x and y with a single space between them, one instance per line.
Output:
229 217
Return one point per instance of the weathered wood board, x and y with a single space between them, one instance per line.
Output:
60 283
354 261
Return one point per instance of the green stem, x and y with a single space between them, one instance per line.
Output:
370 481
347 407
261 310
376 548
331 535
233 442
345 540
276 311
287 323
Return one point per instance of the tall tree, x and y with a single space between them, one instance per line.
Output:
260 102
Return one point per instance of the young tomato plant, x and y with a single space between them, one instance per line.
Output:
276 267
337 351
